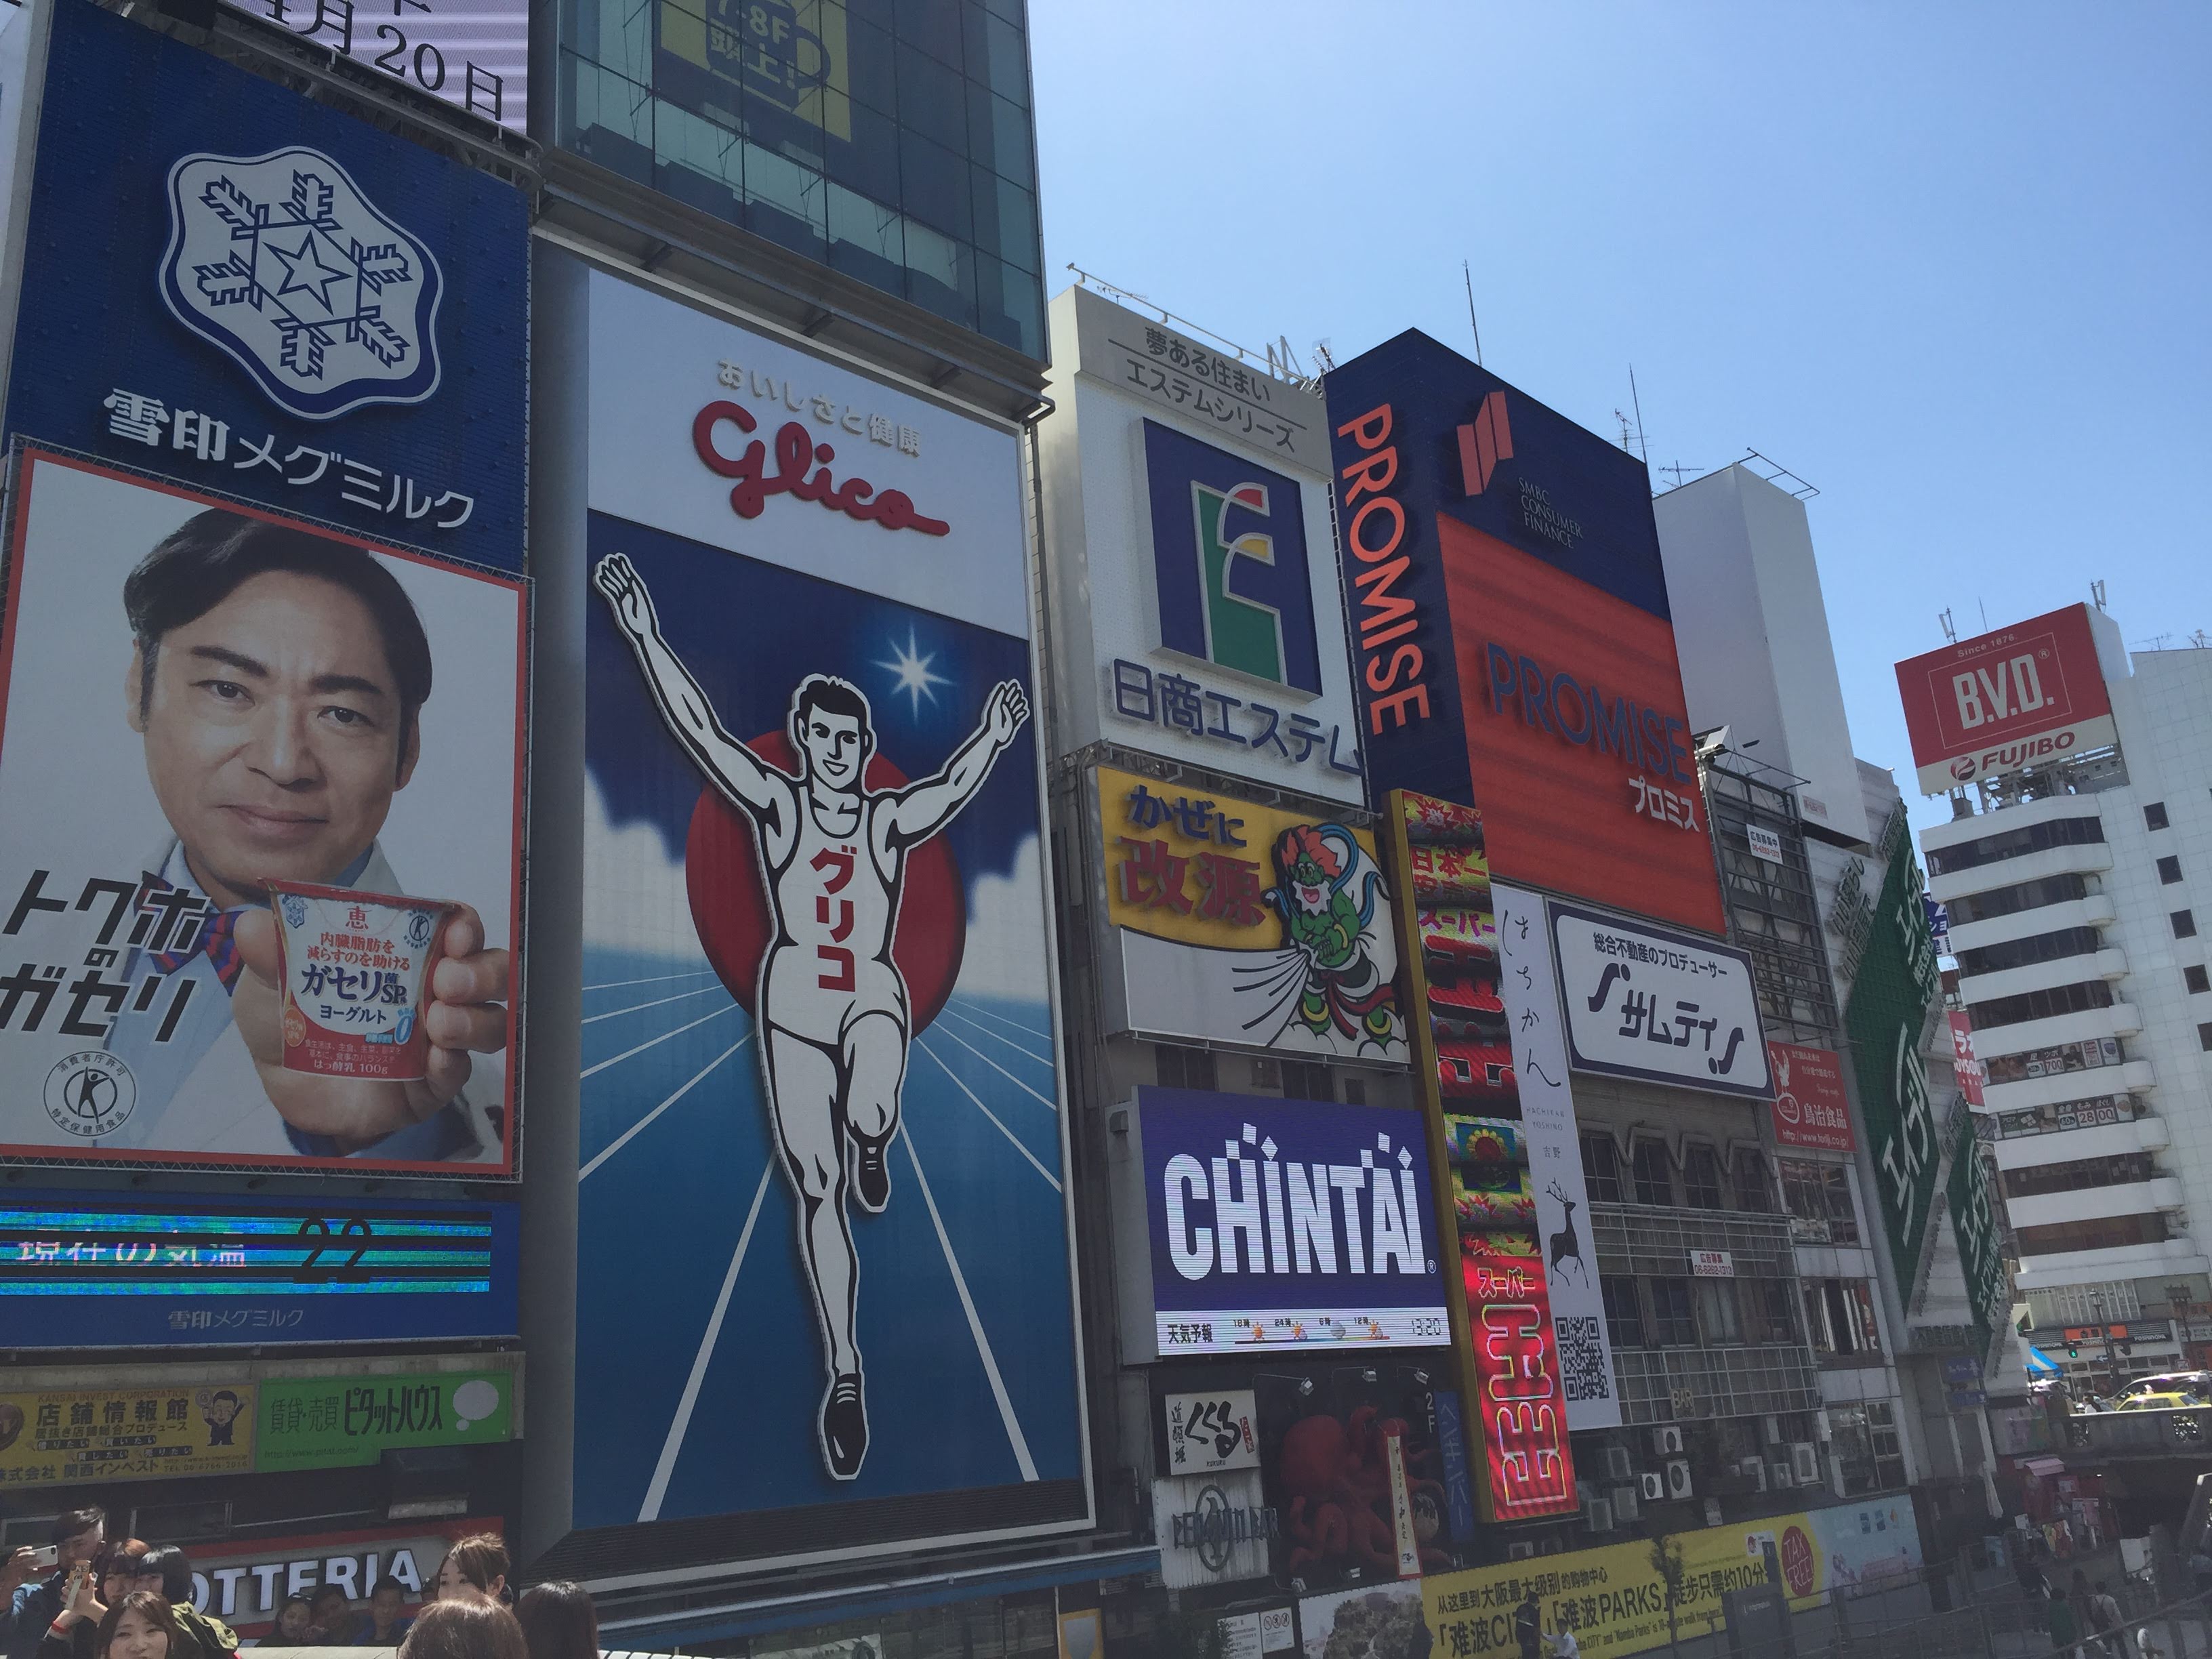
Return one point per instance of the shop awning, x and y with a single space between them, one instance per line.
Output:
2039 1363
2042 1466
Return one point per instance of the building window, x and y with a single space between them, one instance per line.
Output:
1839 1317
1624 1314
2024 896
1602 1169
2077 1175
1184 1068
2040 1005
2169 870
1751 1192
1819 1198
2195 977
2023 952
1355 1092
1865 1448
2204 1039
1306 1079
1655 1183
1770 1307
2184 924
2014 843
2108 1233
2154 816
1673 1324
1701 1178
1718 1317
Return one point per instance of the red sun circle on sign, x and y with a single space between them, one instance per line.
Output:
730 907
1796 1553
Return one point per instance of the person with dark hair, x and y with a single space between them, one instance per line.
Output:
79 1537
464 1629
333 1616
384 1625
295 1625
201 1631
75 1631
559 1621
138 1627
277 679
474 1569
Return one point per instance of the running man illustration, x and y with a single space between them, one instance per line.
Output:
832 1007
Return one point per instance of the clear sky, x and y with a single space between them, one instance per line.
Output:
1952 264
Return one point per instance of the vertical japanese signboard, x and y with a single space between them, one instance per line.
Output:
1810 1106
818 956
298 310
1896 985
1511 631
1974 1218
1239 922
1195 593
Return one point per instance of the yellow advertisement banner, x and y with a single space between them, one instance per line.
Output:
1615 1600
1247 923
66 1437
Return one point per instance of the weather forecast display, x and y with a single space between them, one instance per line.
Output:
83 1269
818 1022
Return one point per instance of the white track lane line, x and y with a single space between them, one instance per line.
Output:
1022 1458
651 1043
989 1113
977 1007
640 1007
651 979
1044 1061
678 1426
628 1134
1050 1104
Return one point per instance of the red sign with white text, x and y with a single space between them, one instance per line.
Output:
1964 1066
2002 701
1523 1411
1810 1108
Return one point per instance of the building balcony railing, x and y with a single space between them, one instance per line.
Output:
1641 1238
1672 1385
2141 1434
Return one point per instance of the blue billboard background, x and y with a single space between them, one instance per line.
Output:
104 1270
104 364
1352 1148
698 1364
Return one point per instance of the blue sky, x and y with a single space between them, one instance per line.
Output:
1948 263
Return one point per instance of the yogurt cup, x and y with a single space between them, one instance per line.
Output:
354 973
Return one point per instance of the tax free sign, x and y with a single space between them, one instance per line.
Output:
1887 1013
1275 1224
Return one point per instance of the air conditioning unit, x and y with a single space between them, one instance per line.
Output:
1597 1515
1781 1478
1805 1462
1654 1487
1678 1478
1773 1431
1619 1464
1524 1551
1754 1469
1627 1501
1667 1441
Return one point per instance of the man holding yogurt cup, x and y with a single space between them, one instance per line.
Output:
277 678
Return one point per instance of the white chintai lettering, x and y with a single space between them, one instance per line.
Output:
1350 1180
1313 1235
1191 1248
1388 1232
1271 1182
1238 1217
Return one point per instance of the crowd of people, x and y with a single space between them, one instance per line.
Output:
87 1597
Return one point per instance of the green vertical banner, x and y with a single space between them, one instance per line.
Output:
1974 1217
332 1422
1897 982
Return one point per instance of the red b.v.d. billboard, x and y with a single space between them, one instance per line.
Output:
2005 701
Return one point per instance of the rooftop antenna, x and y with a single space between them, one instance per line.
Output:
1637 403
1681 475
2097 593
1467 275
1950 633
1985 616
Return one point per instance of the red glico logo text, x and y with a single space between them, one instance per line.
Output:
796 452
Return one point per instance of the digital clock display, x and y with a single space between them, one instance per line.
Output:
83 1270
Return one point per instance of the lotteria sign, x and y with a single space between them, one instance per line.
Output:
1513 646
1278 1223
2002 701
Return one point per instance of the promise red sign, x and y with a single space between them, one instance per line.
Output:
1524 1410
2005 701
1810 1108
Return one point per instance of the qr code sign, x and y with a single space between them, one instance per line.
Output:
1582 1358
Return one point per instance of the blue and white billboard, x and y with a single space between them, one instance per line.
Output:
292 308
818 1024
104 1270
1277 1224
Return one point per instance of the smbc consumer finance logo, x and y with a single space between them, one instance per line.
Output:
1230 562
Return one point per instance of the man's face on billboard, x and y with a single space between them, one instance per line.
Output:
834 747
273 734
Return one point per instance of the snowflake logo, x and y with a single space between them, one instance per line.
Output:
281 261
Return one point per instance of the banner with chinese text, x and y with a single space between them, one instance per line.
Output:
335 1422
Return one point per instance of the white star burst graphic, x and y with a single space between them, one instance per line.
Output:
911 673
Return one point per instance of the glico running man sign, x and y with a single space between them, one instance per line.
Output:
1275 1224
818 960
